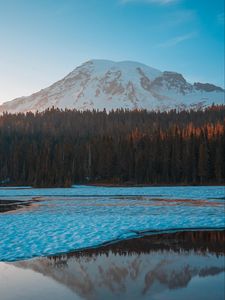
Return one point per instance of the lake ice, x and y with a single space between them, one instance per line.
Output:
61 220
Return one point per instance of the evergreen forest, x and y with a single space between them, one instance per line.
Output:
59 148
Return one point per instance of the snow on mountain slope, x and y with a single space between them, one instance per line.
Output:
99 84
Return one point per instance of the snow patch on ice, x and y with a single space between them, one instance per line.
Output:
80 217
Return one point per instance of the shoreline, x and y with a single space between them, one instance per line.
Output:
104 184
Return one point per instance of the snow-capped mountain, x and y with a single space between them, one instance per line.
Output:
99 84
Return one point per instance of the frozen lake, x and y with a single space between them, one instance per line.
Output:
41 222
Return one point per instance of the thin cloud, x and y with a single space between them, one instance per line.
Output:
175 19
160 2
220 19
177 40
182 16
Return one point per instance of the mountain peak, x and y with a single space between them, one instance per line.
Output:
105 84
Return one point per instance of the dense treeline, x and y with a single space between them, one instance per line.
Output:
59 148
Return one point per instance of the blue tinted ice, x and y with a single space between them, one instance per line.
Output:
68 219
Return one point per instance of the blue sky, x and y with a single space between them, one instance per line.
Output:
43 40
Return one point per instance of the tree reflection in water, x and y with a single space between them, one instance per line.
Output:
138 268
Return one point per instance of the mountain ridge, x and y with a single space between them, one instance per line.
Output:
105 84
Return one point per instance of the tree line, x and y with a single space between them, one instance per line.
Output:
64 147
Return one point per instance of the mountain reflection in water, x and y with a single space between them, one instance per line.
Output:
179 265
